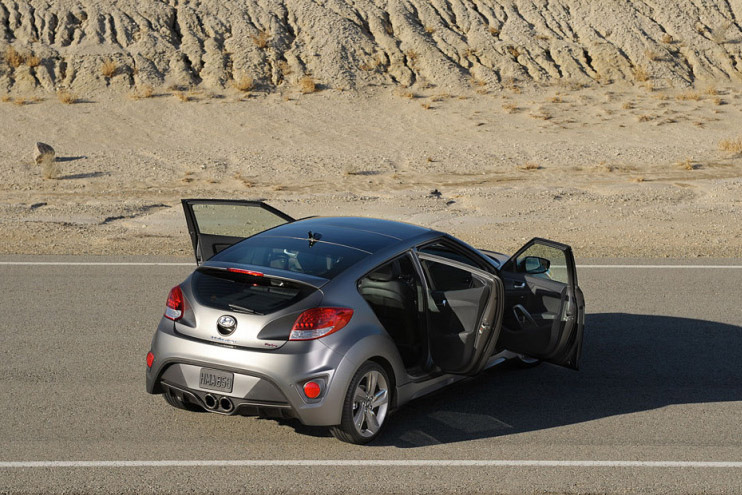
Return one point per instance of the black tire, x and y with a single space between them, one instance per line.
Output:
347 430
178 404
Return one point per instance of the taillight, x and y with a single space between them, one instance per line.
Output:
320 322
175 306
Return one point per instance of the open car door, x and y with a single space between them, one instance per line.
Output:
216 224
464 306
544 307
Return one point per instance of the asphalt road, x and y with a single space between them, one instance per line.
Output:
661 380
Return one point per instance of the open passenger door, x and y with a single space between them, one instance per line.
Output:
465 307
544 307
216 224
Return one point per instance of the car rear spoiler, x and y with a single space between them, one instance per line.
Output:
264 271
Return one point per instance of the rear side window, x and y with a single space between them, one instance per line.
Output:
312 257
445 250
245 293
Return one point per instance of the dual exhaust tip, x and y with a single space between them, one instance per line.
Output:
214 403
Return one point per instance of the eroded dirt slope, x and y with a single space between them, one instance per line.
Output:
357 43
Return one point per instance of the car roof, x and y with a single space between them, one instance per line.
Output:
367 234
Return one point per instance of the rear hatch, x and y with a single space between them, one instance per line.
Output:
246 306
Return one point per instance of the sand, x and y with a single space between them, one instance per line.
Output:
612 170
611 126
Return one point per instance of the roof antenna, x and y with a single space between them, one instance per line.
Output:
313 238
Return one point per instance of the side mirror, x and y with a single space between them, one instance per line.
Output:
533 265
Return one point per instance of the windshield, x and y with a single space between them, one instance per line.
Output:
309 256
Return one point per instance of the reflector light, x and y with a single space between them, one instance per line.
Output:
246 272
175 305
312 390
150 359
319 322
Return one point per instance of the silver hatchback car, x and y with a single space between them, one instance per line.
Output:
337 321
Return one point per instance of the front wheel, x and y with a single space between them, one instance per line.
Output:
365 406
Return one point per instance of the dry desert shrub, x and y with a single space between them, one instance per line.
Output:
641 74
510 108
33 61
261 39
688 164
513 51
426 105
66 97
307 85
627 105
543 37
667 39
412 56
182 96
541 114
245 180
408 94
689 96
429 29
731 145
638 179
494 31
711 91
718 101
108 68
644 118
146 91
244 84
530 166
476 81
13 58
556 99
19 101
6 98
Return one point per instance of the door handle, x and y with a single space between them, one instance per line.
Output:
519 285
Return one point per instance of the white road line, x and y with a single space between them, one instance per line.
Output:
96 263
724 267
369 463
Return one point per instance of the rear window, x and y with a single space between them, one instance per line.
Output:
245 293
312 257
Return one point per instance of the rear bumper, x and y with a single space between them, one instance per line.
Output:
266 383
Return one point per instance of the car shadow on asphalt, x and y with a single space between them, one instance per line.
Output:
630 363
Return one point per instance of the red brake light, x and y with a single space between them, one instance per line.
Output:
175 305
320 322
150 359
312 390
246 272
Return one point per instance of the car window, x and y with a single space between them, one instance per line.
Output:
445 250
443 277
309 256
530 262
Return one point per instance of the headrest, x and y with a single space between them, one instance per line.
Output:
383 274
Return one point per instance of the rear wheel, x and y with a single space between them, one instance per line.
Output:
181 404
365 406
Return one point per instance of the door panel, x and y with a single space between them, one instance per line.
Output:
544 307
464 314
216 224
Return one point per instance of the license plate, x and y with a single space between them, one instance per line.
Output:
216 380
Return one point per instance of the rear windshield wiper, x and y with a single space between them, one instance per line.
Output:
237 307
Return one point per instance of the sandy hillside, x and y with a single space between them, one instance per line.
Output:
362 43
613 126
